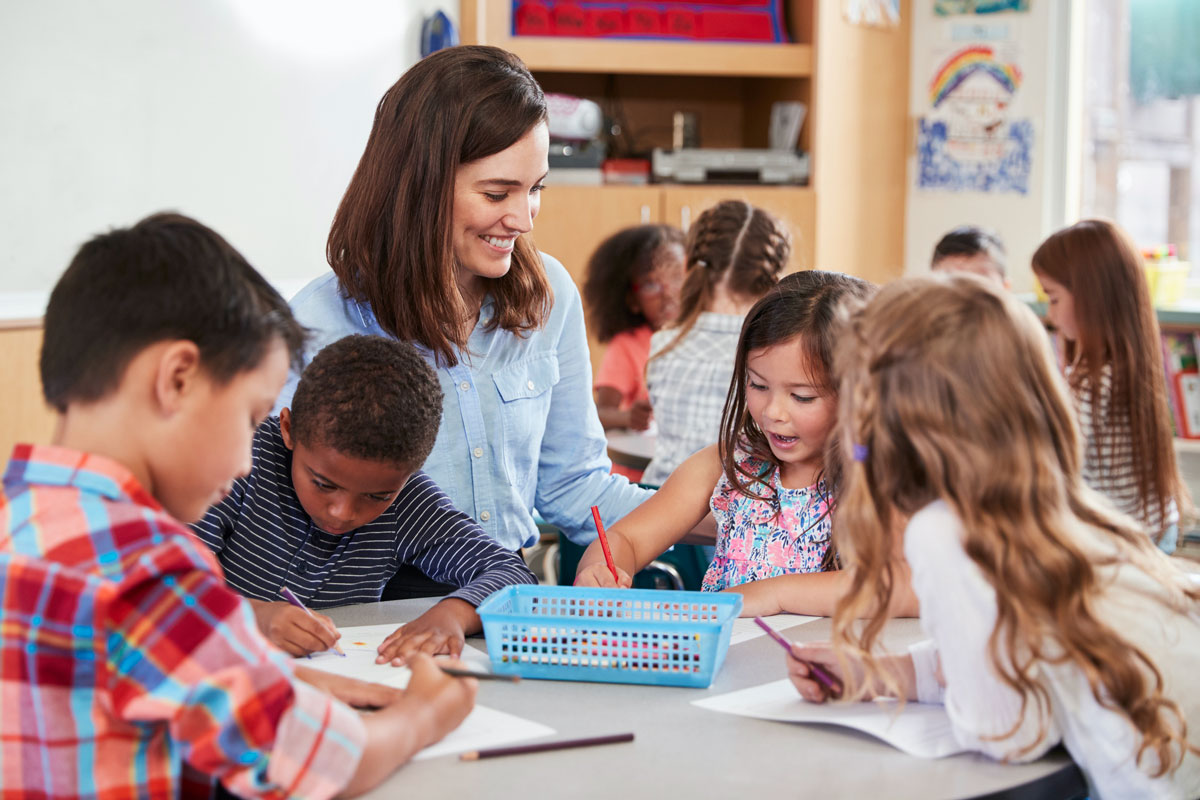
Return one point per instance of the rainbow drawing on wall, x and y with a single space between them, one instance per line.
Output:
966 63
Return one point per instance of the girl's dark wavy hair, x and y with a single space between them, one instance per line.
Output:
805 305
620 260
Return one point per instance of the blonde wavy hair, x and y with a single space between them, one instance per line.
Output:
949 390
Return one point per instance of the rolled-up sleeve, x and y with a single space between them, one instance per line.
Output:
574 472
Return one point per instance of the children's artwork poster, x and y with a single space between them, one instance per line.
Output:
950 8
969 140
872 13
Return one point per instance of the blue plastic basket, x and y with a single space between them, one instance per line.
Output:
571 633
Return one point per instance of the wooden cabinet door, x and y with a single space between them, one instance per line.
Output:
795 205
574 219
24 416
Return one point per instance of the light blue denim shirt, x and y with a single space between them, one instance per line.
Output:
519 426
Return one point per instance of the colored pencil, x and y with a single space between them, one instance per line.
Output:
604 544
291 598
831 684
455 672
542 747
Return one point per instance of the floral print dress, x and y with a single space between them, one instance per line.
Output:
783 534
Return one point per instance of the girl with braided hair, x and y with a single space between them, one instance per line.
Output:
1052 616
735 253
768 482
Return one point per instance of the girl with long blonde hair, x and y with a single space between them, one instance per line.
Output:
1052 617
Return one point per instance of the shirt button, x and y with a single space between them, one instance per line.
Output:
466 387
529 384
478 451
485 516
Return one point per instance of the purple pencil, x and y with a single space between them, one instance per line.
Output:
831 684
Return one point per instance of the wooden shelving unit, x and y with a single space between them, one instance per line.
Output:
854 81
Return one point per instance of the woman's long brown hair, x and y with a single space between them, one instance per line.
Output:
391 243
949 391
1117 326
804 305
733 243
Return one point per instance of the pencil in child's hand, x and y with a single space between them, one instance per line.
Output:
455 672
542 747
604 545
831 684
290 596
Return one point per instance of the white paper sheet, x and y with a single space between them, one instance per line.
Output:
921 730
483 727
744 628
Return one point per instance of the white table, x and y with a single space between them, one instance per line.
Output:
632 449
686 752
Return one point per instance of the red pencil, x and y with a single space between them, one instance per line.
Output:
604 544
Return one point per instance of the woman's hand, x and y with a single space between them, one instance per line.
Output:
601 575
822 654
440 630
293 629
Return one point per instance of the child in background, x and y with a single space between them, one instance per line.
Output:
735 253
1100 304
336 503
767 481
971 249
125 656
631 291
1051 616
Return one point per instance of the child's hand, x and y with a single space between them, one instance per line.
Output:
293 630
351 691
639 415
900 668
599 575
435 696
801 675
440 630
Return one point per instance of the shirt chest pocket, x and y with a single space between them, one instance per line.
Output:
525 390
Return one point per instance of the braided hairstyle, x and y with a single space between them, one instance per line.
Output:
949 391
733 244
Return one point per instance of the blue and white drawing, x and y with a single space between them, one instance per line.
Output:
1007 171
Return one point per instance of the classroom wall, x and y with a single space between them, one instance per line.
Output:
1047 45
247 114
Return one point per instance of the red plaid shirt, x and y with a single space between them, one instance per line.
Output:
123 655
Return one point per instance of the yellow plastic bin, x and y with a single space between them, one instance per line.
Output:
1167 281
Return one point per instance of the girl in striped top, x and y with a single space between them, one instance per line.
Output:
1100 304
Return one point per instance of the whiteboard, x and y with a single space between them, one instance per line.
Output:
249 115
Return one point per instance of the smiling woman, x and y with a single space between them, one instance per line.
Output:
431 244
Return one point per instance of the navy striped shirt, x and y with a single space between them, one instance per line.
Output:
265 540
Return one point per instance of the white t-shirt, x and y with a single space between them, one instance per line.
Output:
958 611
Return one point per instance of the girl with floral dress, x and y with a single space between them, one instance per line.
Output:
767 481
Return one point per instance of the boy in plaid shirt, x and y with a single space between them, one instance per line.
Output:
123 655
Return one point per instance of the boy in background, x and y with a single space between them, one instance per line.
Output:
123 655
972 249
336 503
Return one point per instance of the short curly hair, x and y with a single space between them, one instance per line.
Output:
369 397
617 262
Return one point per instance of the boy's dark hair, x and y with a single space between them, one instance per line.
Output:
617 262
167 277
369 397
971 240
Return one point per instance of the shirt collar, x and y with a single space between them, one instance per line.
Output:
47 465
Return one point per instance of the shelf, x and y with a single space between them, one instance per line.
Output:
489 22
663 58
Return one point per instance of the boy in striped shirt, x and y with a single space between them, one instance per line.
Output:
336 504
124 657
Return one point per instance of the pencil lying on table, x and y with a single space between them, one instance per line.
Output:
542 747
455 672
